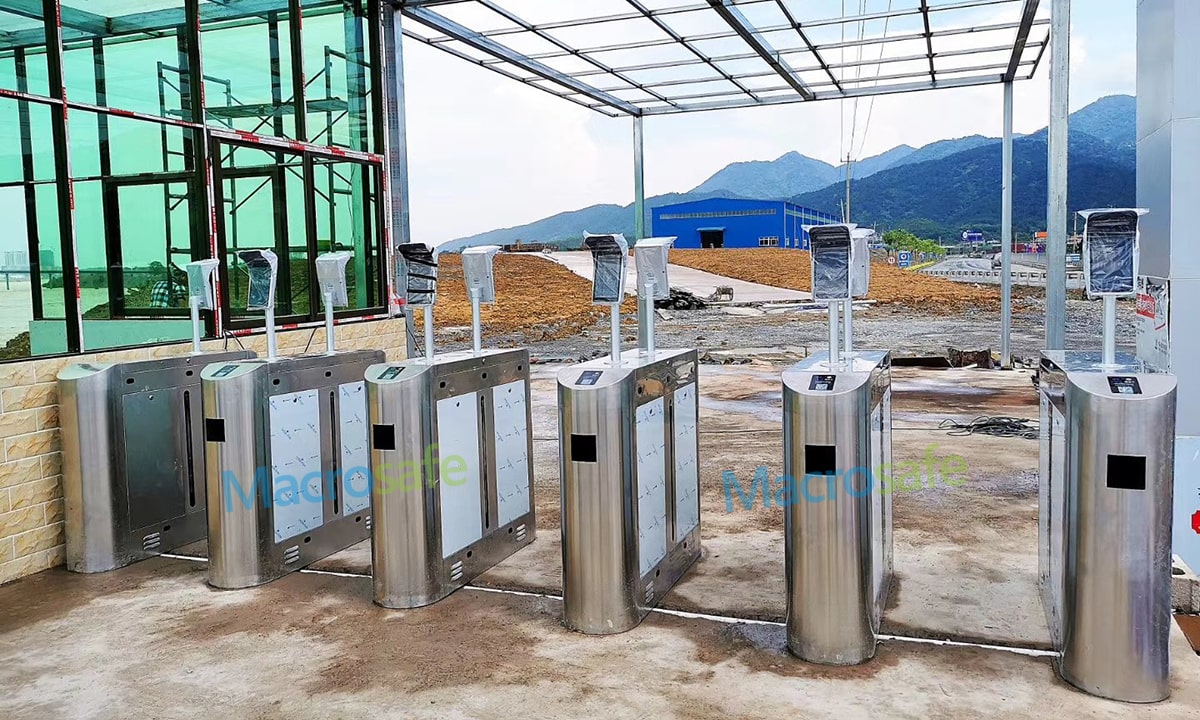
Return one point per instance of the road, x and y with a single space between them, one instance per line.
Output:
984 264
696 282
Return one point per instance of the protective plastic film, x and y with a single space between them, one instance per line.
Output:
477 271
831 253
610 256
417 273
200 285
860 261
263 267
1110 240
331 276
650 255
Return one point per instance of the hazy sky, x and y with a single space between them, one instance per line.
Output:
488 152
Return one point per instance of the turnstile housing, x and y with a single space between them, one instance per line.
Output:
133 458
837 421
1105 505
288 463
452 461
630 485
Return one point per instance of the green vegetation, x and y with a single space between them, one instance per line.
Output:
904 240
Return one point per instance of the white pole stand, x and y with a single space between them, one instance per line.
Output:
329 323
272 348
835 340
194 305
428 333
616 333
648 309
1110 331
849 332
476 323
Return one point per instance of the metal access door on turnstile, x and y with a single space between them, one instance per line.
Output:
451 453
133 451
837 438
1105 496
288 455
629 461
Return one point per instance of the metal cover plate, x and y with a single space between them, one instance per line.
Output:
650 428
460 493
355 450
510 421
687 465
296 496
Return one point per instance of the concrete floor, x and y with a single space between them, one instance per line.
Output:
153 640
696 282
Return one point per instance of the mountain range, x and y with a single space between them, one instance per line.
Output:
937 191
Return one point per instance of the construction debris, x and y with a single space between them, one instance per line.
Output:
681 300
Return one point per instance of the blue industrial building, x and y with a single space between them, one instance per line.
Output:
737 223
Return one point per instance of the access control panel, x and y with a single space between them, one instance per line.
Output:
1124 385
822 383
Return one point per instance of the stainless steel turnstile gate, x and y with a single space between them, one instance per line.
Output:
133 458
837 420
288 463
452 457
630 485
133 451
837 450
288 445
1105 496
1107 467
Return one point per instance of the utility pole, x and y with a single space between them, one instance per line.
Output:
847 207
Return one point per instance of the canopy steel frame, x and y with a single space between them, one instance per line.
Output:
610 78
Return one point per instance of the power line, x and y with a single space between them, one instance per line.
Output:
871 105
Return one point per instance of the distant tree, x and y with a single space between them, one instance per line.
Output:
904 240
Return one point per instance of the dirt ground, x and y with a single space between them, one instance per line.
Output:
540 298
154 641
889 285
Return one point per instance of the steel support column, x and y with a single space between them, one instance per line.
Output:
1056 213
639 222
397 153
1006 232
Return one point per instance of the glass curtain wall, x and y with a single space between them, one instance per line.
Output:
108 126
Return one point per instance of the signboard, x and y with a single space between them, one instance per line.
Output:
904 258
1043 235
975 238
891 259
1153 322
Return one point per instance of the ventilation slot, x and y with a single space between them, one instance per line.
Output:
152 541
456 571
520 533
291 555
649 593
368 523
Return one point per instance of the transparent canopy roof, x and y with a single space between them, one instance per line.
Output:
651 57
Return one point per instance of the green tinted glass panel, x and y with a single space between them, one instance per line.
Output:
248 73
32 297
23 53
337 59
262 207
346 220
135 220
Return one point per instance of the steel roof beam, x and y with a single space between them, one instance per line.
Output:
471 38
971 81
499 69
743 27
1028 14
513 18
71 17
787 15
928 40
653 17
